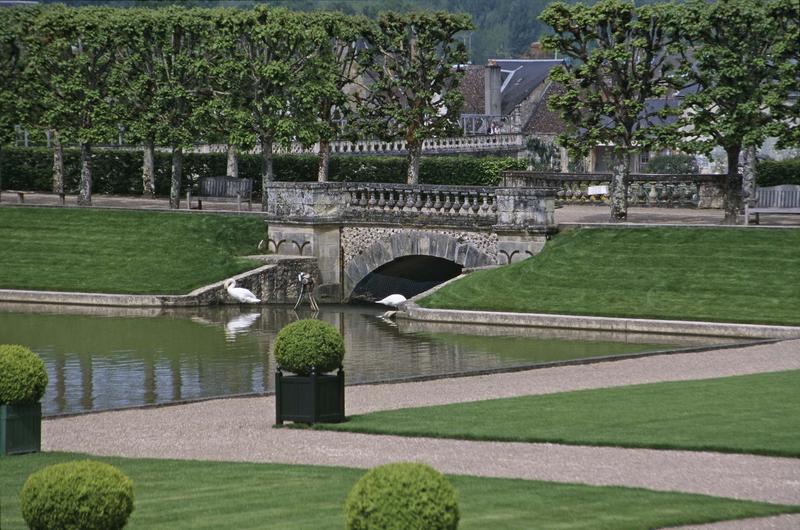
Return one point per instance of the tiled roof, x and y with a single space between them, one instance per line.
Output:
520 77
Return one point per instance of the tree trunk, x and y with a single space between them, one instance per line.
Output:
149 169
233 161
324 160
267 175
749 177
732 187
414 155
58 163
85 191
177 172
619 187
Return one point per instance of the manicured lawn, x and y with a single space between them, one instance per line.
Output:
112 251
189 494
709 274
743 414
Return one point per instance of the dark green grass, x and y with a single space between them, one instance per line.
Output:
219 495
709 274
743 414
111 251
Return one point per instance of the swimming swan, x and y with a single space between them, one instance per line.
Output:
393 300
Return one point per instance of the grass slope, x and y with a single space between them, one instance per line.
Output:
728 275
218 495
743 414
112 251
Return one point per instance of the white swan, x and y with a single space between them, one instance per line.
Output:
393 300
240 294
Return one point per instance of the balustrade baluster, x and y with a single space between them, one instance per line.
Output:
410 200
456 203
437 203
363 197
426 207
483 211
400 203
417 201
391 202
382 200
447 203
373 201
353 196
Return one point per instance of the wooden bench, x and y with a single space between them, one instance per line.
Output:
222 188
774 199
21 196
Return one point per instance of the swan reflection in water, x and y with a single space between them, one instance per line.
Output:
239 324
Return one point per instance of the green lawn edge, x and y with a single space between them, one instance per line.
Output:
203 494
123 251
684 273
746 414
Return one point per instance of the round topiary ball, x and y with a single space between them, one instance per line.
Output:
402 496
23 378
82 494
307 344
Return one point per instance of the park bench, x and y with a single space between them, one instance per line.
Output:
21 196
222 188
774 199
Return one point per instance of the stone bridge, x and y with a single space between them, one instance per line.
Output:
355 229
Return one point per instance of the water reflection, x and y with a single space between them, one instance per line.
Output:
103 358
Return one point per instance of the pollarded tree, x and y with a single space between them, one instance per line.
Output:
412 64
12 57
618 58
71 53
739 67
179 42
270 65
338 70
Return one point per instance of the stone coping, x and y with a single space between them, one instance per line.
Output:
411 310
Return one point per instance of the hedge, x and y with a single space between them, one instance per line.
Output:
309 344
677 164
774 173
23 378
402 496
119 172
77 495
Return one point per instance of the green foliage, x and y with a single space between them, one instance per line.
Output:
77 495
402 496
23 378
678 164
119 172
309 344
415 95
773 172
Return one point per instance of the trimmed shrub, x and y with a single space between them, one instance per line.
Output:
81 494
119 172
23 378
402 496
777 172
309 344
672 165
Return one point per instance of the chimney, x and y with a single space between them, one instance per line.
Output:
492 96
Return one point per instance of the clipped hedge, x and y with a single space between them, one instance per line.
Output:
677 164
119 172
402 496
309 344
23 378
81 494
777 172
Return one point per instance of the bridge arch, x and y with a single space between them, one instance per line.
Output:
399 245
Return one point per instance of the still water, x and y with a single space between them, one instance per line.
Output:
107 358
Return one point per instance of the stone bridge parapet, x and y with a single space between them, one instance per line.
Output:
354 228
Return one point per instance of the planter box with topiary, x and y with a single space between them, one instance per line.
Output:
23 381
308 349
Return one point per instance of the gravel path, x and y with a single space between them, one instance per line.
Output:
240 430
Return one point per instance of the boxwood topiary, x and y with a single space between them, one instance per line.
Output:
402 496
23 378
82 494
309 344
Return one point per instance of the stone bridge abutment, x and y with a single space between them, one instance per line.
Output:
354 229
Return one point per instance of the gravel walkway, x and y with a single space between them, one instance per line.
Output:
240 430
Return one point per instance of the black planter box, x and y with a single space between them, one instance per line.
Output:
20 429
309 398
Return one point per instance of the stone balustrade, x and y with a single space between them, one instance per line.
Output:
652 190
418 204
